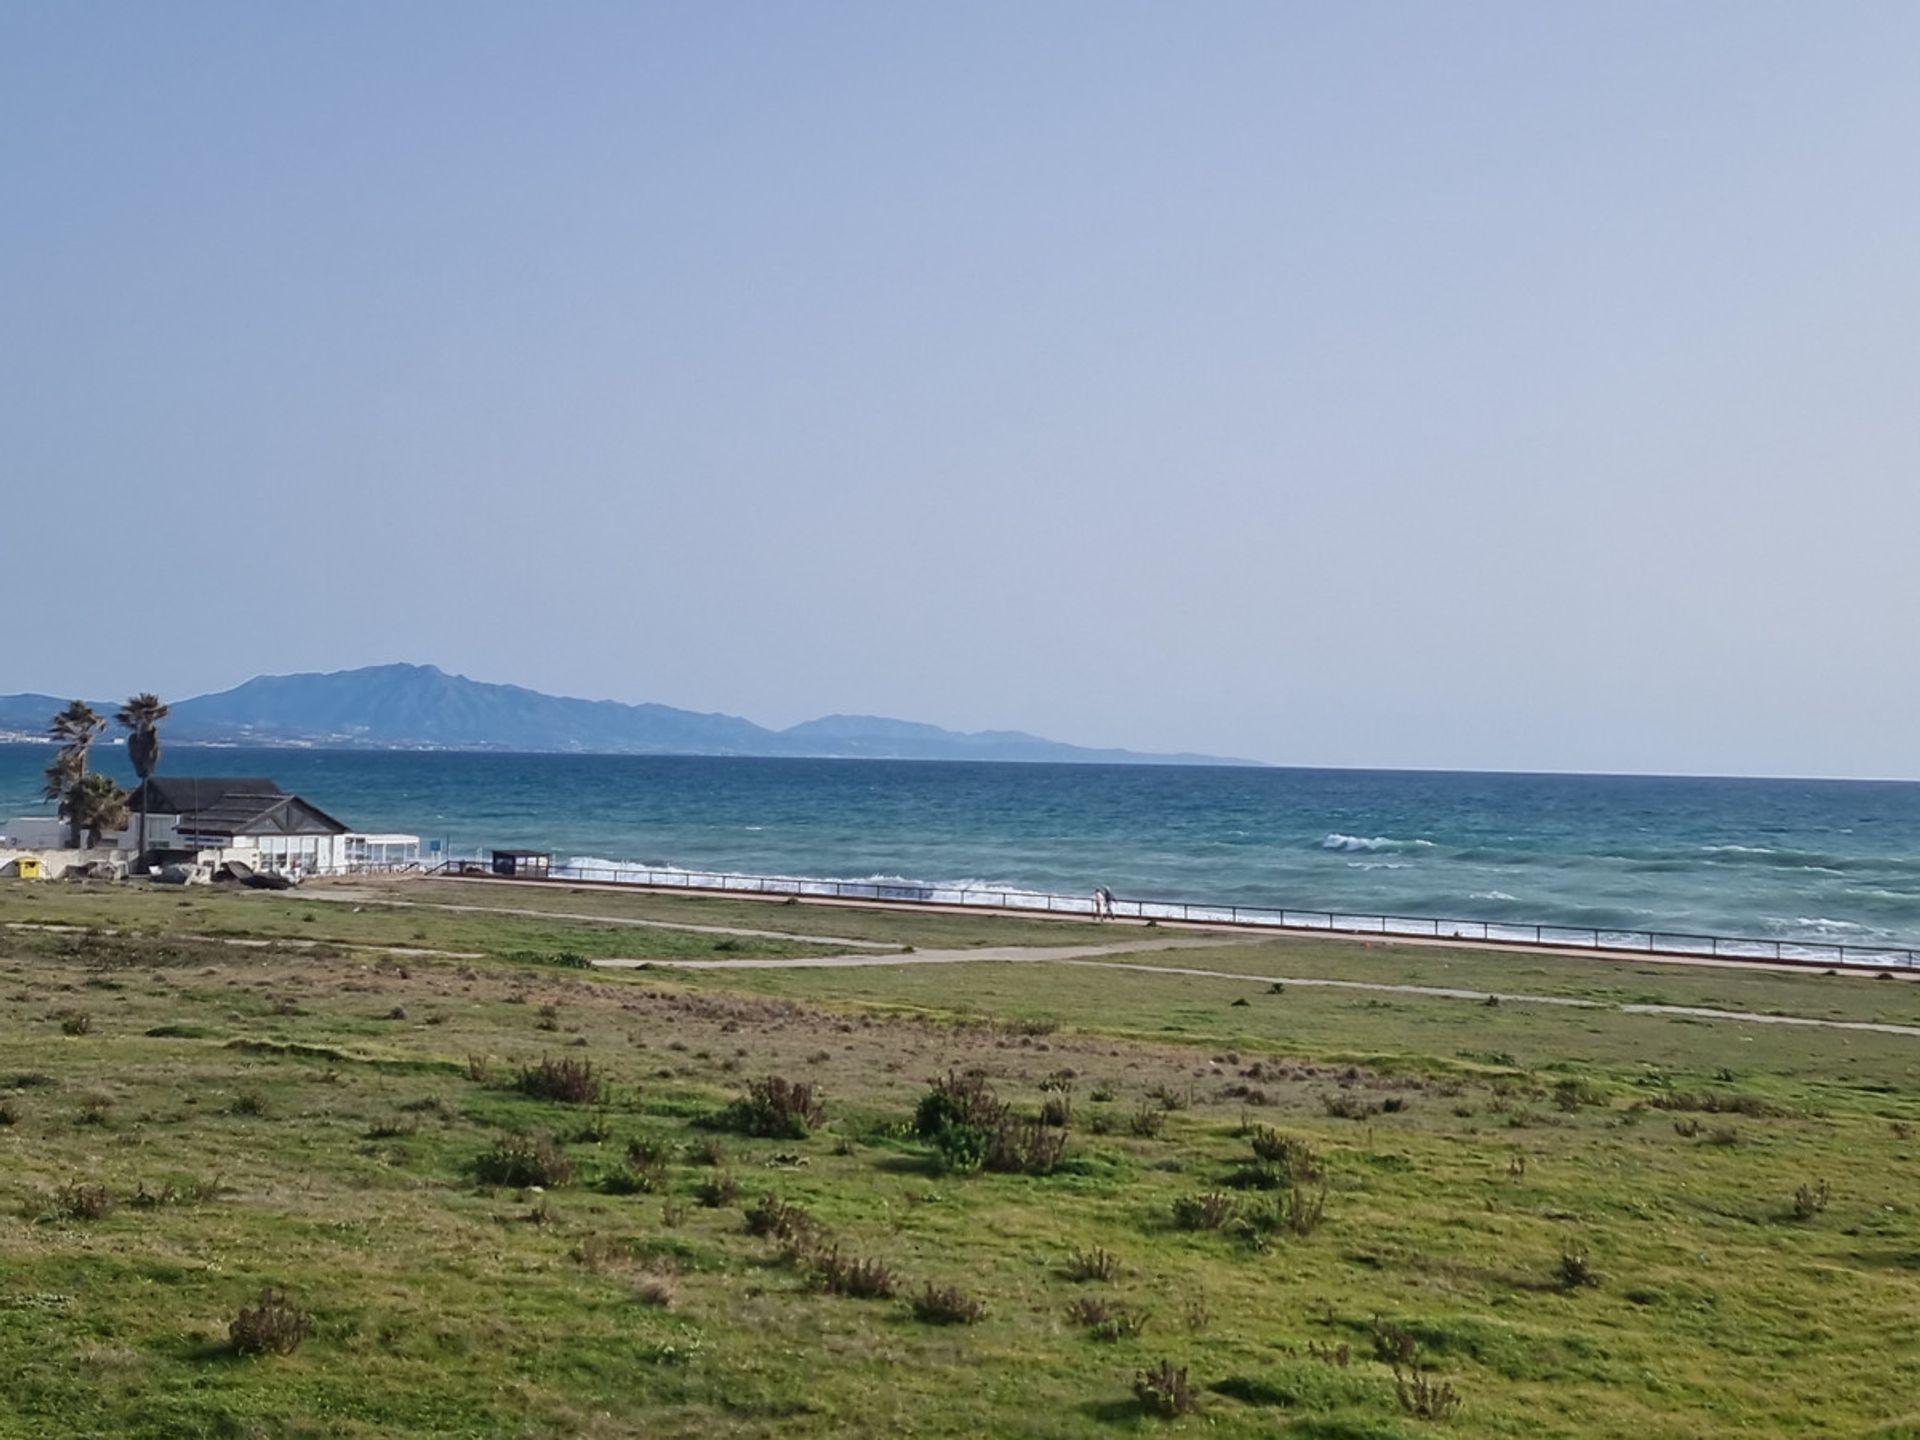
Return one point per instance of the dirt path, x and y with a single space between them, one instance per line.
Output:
1095 955
1008 953
246 942
370 897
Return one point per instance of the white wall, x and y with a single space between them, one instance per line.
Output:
32 831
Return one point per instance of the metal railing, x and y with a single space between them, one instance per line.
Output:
1499 932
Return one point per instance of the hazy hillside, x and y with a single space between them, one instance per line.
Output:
421 706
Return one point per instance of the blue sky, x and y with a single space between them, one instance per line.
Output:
1481 385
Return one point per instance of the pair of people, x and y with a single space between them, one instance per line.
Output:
1102 903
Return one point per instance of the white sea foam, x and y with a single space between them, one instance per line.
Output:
1492 895
1371 844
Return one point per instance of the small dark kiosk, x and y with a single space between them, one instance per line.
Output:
523 864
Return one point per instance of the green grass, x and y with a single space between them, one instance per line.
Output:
330 1095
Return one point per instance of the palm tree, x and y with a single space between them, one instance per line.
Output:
76 728
142 716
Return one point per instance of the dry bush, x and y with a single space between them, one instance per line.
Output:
947 1305
657 1286
852 1276
1422 1398
1209 1211
1094 1264
776 1109
1294 1158
1165 1391
1574 1271
1146 1122
772 1218
76 1022
1810 1200
271 1326
718 1191
1106 1320
78 1200
565 1081
523 1161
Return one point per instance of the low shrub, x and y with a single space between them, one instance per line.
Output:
1146 1122
629 1179
564 1081
1393 1344
776 1109
76 1022
1751 1106
1344 1105
78 1200
9 1113
1057 1111
1809 1200
947 1305
718 1191
1294 1158
1165 1391
1423 1398
710 1151
659 1287
273 1325
248 1102
1209 1211
852 1276
1575 1271
1106 1320
1094 1264
772 1218
522 1161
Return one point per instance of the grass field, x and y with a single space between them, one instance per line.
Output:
1548 1221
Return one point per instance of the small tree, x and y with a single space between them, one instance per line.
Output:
141 716
97 806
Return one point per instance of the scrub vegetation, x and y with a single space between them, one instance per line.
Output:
326 1189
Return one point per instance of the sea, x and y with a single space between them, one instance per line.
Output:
1810 860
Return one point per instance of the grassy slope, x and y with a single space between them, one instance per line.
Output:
444 1308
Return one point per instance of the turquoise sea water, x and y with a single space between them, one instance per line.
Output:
1815 860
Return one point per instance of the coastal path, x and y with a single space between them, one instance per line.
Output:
1096 956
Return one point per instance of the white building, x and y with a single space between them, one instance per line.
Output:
253 821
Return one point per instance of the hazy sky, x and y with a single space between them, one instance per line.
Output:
1489 385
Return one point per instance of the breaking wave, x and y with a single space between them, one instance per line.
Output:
1361 844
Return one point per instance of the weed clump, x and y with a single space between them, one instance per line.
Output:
947 1305
78 1200
1165 1391
1810 1200
271 1326
776 1109
1421 1397
772 1218
718 1191
564 1081
1210 1211
1106 1320
524 1161
76 1022
1575 1271
970 1128
852 1276
1095 1264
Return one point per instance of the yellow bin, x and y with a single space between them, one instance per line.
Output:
30 867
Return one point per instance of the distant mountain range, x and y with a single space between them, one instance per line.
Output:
421 707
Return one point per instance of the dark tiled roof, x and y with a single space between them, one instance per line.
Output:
209 805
